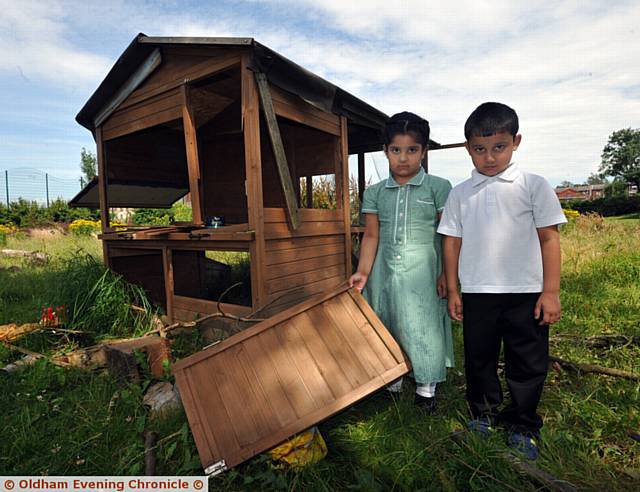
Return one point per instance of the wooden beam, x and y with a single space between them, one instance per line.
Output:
193 163
142 72
253 166
278 151
102 182
167 261
342 179
309 190
361 177
296 109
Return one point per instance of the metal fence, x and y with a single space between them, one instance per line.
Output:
36 185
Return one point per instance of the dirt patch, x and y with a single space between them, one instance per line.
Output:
45 232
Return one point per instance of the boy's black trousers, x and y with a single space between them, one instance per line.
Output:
488 321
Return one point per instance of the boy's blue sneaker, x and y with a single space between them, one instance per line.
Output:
480 425
524 445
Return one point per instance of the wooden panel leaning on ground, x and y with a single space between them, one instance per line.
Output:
285 374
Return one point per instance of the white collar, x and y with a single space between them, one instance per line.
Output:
509 174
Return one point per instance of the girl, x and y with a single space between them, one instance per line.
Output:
400 268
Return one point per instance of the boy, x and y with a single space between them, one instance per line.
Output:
501 230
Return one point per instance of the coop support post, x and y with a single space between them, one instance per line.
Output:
342 190
167 260
253 169
102 181
193 162
361 177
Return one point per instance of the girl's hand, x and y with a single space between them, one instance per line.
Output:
441 286
358 280
547 308
454 304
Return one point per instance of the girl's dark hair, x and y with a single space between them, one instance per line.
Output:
406 123
491 118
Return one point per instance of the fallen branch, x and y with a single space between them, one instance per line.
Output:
609 371
12 331
150 441
34 354
32 255
634 435
602 341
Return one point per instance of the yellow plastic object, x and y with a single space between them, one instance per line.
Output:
301 450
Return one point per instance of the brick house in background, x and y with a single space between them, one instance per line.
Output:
580 192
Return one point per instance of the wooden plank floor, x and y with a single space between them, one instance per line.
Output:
283 375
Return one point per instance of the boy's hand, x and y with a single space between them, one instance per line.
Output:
454 304
547 308
441 286
358 280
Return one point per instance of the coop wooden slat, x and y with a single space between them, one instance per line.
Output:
299 279
277 230
213 415
279 377
371 336
302 112
298 351
304 252
302 242
170 75
331 371
206 442
306 290
332 336
353 336
204 306
300 266
171 114
266 414
385 336
267 376
161 102
292 383
232 384
306 215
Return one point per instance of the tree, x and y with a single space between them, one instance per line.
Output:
566 184
596 179
618 187
88 164
621 156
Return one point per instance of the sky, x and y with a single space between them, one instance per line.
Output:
571 69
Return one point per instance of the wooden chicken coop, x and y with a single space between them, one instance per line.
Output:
242 132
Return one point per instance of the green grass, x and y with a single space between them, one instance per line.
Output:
378 444
96 301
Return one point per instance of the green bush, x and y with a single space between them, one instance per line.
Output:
607 206
179 212
29 213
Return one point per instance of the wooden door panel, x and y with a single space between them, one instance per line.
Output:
281 376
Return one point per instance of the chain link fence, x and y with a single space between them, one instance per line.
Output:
36 185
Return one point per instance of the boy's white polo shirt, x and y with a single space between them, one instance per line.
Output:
497 217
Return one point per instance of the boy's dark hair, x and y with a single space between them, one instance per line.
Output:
406 123
491 118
